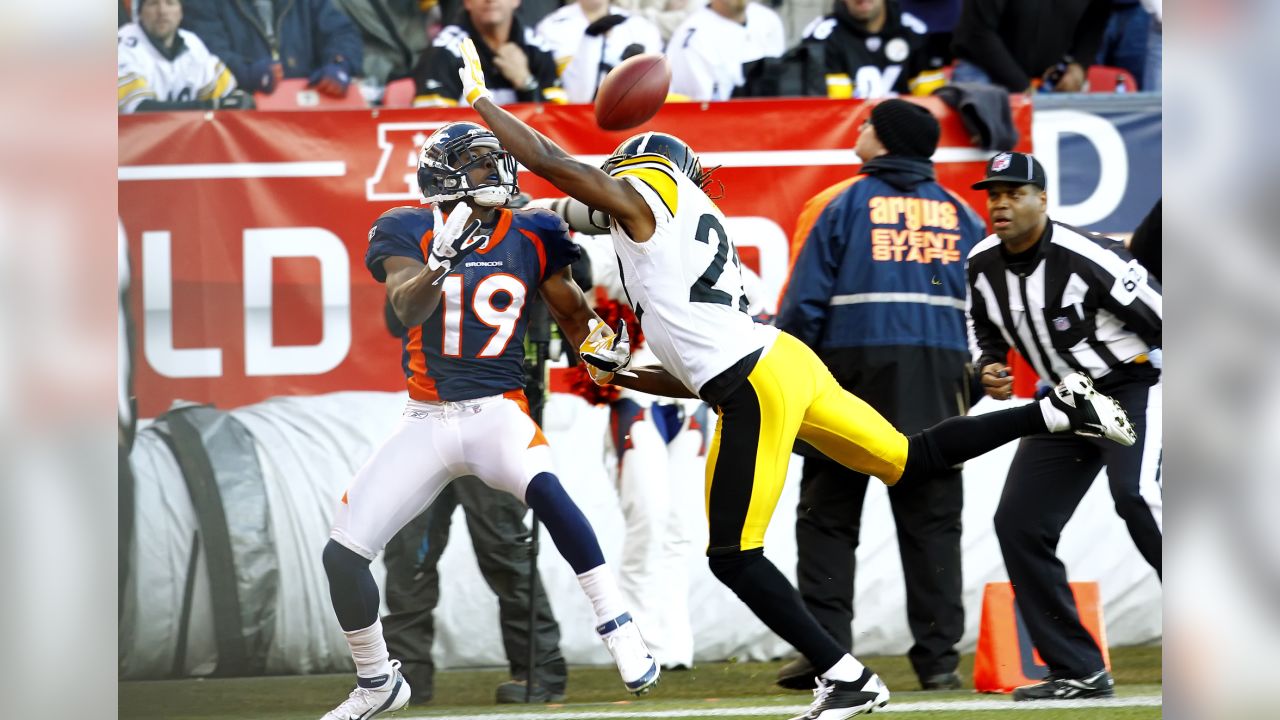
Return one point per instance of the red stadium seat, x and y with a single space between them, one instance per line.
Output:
293 94
1106 79
399 93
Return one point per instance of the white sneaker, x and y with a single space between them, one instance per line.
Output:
373 696
1091 413
635 663
837 700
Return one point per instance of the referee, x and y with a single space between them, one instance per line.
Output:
1068 301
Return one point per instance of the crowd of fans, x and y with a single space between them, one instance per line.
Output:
188 54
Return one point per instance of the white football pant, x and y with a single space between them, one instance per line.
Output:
492 438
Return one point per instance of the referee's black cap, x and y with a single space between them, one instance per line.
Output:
1013 167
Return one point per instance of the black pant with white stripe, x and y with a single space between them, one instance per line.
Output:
1047 480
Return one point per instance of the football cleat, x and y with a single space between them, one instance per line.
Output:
373 696
837 699
1097 685
1091 413
636 664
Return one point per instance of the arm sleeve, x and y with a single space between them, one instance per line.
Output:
984 336
436 77
218 81
542 64
132 88
201 16
802 311
340 41
977 39
1127 290
1146 242
389 236
1088 35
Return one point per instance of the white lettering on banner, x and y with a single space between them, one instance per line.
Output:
766 236
400 144
157 308
1113 175
261 355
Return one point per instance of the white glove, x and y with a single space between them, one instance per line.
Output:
454 240
472 75
605 352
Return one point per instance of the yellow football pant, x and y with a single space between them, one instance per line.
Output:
789 394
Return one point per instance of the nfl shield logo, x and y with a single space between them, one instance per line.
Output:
1001 162
1061 323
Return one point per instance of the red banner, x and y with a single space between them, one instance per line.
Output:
247 231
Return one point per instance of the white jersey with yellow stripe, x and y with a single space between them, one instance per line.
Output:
145 74
685 282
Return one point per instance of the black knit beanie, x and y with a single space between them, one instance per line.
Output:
905 128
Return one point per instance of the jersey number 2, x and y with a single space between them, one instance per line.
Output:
704 289
503 321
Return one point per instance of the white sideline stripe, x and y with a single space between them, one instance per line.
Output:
780 710
229 171
338 168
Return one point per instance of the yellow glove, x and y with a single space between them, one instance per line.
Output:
606 352
472 75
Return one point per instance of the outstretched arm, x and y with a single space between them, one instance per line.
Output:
544 158
572 313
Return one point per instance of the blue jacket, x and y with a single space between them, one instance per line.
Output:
881 261
309 34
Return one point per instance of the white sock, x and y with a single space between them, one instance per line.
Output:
602 591
1054 419
847 669
369 650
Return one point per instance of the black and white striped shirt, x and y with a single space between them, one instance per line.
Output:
1079 303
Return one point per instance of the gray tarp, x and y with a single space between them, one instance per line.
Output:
307 448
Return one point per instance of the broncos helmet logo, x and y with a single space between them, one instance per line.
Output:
449 156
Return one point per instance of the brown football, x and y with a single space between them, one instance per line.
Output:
633 92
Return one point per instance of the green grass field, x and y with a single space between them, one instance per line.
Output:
725 691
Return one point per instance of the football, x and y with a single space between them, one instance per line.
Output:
633 92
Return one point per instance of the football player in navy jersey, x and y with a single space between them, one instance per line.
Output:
459 275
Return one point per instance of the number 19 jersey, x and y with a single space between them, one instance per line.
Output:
472 345
685 282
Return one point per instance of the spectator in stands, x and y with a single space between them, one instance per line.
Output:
1029 44
666 15
891 328
517 62
1151 76
394 34
263 41
589 38
712 52
940 16
160 67
872 49
1124 44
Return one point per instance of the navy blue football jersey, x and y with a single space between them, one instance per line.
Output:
473 344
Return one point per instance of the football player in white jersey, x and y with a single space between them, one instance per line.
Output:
682 277
160 67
